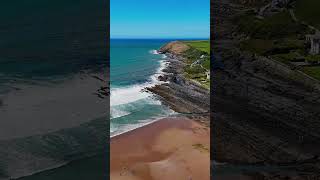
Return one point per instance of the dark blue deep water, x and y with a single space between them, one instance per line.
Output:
45 39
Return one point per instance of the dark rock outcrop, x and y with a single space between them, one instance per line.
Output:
261 112
163 78
182 95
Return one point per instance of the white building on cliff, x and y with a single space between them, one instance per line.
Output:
314 40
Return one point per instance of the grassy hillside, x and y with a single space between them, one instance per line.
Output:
273 35
200 45
277 26
198 61
280 37
312 71
308 11
251 3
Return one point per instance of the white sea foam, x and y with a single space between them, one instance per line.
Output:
125 95
112 128
122 98
116 112
154 51
159 72
116 130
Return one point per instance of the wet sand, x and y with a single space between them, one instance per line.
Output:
171 148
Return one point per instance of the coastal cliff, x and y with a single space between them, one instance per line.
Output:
175 47
182 94
265 109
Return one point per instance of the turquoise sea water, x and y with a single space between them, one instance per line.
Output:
134 65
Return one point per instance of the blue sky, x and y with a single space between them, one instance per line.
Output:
160 18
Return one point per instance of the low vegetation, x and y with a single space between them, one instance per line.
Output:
282 38
271 47
200 45
250 3
198 62
308 11
313 71
279 25
201 148
313 59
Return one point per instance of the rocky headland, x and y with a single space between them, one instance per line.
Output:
265 113
183 95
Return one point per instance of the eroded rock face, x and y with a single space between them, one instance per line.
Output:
178 93
175 47
262 114
163 78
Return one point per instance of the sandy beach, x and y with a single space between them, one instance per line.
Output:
171 148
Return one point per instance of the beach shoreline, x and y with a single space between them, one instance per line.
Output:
129 102
181 94
172 147
178 145
138 126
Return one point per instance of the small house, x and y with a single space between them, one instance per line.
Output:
314 40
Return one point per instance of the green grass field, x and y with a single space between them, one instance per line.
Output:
197 72
279 36
271 47
312 71
277 26
200 45
308 11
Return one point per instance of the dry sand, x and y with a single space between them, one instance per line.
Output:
169 149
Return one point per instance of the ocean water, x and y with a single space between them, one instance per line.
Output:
49 40
134 65
49 51
46 47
